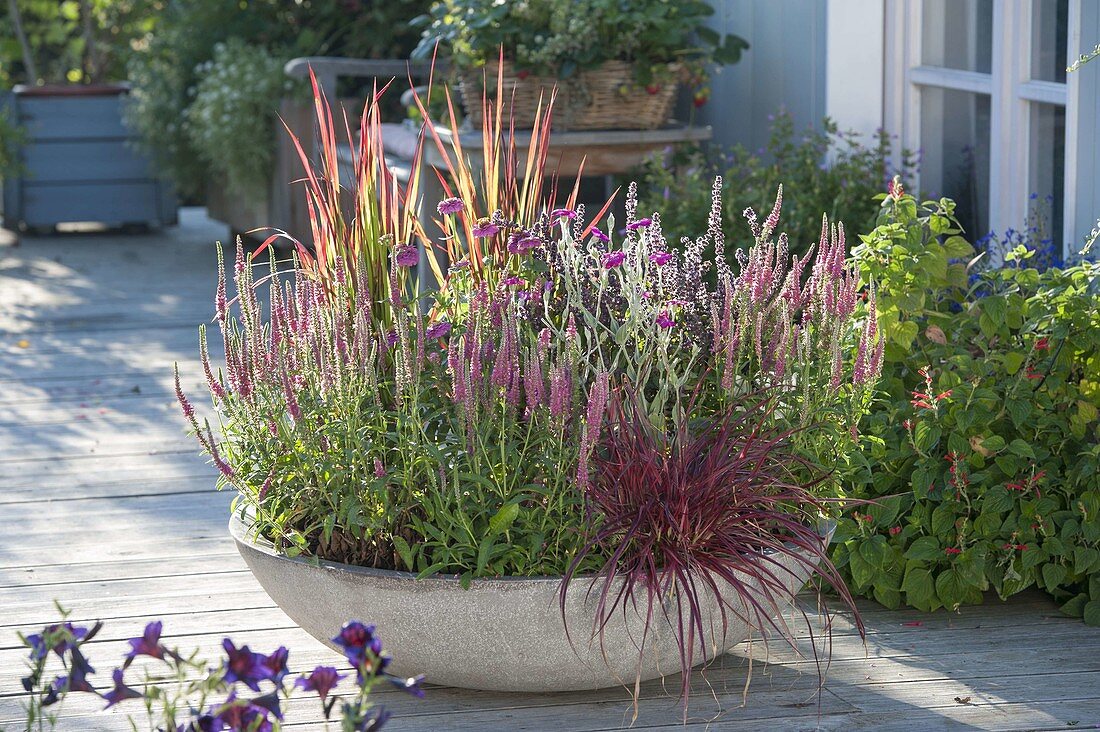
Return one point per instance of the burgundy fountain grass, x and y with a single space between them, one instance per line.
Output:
684 515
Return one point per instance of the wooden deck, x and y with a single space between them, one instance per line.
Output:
106 506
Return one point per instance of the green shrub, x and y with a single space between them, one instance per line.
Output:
233 103
985 456
168 70
679 186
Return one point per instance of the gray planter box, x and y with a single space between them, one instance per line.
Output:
80 163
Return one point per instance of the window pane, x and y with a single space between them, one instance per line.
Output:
1049 21
958 34
1047 171
955 153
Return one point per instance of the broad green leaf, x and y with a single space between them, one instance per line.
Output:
503 519
1085 559
994 443
405 552
1021 448
957 247
925 547
1075 608
1091 613
919 589
1053 576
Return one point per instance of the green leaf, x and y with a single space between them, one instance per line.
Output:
1075 608
957 247
503 519
996 500
1013 361
1085 559
919 589
994 443
873 550
862 571
1021 448
1053 576
926 547
405 552
954 591
926 435
943 519
1091 613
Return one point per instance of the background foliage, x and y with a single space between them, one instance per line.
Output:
168 68
985 462
679 185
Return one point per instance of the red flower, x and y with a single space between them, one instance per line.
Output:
1042 344
895 530
952 550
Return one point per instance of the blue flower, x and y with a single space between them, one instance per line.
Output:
148 644
322 679
412 684
120 692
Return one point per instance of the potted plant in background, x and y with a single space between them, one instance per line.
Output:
617 65
72 159
210 90
506 481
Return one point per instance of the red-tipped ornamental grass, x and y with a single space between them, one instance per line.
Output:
706 516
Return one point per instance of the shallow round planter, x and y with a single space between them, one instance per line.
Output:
500 634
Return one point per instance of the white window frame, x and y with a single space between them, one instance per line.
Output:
1011 90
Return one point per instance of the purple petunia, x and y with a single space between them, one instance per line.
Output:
407 255
437 330
485 228
322 679
37 641
411 685
275 663
639 224
375 722
239 714
562 213
148 644
600 236
356 639
613 259
244 666
120 692
450 206
664 319
660 258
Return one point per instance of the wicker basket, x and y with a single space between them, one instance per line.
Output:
604 98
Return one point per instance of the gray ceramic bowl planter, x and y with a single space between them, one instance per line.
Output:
500 634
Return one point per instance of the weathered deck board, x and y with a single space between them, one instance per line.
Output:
107 507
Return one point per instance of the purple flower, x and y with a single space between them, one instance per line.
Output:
639 224
379 468
512 282
485 228
37 641
411 685
391 337
461 264
356 639
437 330
522 242
665 320
407 255
660 258
238 714
374 722
562 213
613 259
244 666
322 679
450 206
120 692
275 663
148 644
600 236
